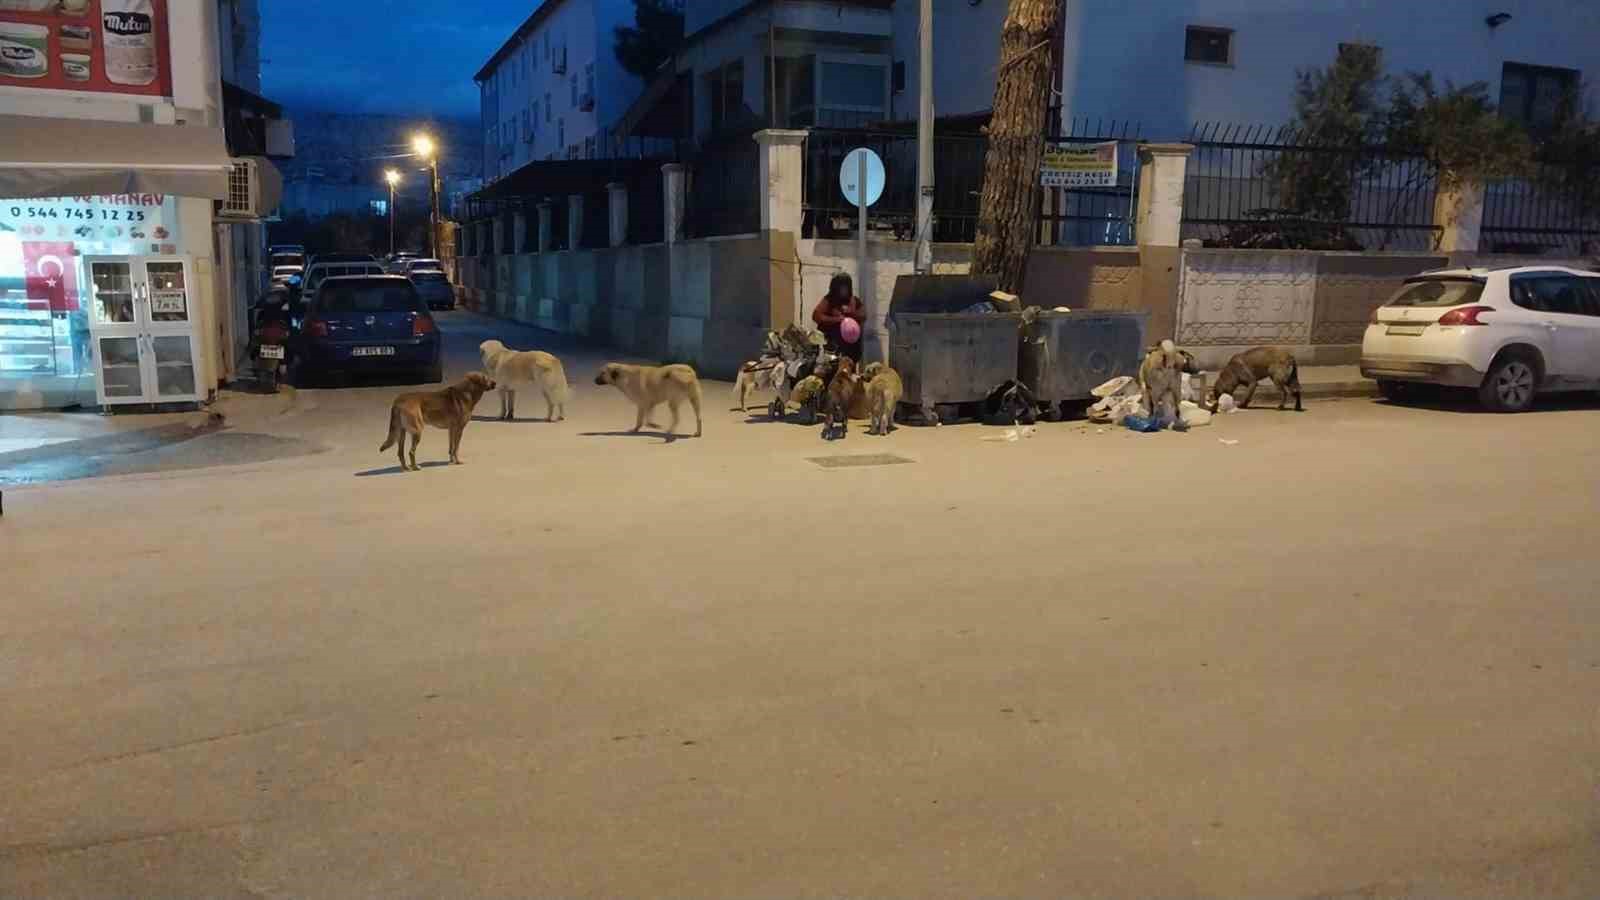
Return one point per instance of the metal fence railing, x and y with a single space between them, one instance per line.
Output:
1080 216
1552 212
724 193
1253 186
958 178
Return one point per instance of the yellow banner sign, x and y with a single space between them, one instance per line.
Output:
1079 165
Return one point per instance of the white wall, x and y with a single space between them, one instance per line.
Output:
1123 59
523 78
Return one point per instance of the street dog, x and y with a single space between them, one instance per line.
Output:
450 409
1161 377
1249 367
766 374
532 369
837 403
651 386
884 390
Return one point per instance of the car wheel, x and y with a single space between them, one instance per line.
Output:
1393 391
1510 385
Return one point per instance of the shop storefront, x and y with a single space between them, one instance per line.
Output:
106 294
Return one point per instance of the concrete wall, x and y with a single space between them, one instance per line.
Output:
705 302
819 260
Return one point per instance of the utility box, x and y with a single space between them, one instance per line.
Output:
1064 355
946 356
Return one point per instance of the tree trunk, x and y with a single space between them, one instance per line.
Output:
1009 204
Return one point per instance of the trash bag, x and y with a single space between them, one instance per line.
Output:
1009 404
1143 424
1193 415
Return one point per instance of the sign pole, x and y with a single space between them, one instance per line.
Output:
861 225
923 261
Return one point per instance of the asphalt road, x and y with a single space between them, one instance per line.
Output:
1354 654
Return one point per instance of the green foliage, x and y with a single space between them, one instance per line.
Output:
655 37
1457 130
1336 107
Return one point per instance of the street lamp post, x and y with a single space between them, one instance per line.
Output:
393 178
425 148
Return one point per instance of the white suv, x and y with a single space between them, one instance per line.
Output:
1508 333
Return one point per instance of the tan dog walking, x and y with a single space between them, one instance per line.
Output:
884 390
651 386
450 409
531 369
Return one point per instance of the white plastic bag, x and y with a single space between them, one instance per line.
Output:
1226 404
1193 414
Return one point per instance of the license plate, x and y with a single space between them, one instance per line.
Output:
372 351
1407 330
269 351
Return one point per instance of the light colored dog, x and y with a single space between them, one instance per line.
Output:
651 386
1161 377
450 409
884 390
531 369
765 374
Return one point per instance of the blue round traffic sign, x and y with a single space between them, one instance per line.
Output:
850 176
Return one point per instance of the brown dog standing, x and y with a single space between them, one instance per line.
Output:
1249 367
884 390
450 409
837 403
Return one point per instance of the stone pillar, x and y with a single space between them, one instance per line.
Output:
519 232
574 221
544 226
1162 168
1458 213
782 161
617 209
674 187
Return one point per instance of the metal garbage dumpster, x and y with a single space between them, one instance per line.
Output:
1064 355
946 357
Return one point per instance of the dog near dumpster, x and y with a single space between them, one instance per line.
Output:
651 386
450 409
532 369
884 390
1161 378
1249 367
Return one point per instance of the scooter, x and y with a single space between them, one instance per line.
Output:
269 341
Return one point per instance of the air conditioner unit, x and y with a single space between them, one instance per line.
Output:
558 62
585 101
244 191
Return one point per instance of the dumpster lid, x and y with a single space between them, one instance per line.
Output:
939 293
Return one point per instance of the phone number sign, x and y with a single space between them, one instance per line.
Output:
117 223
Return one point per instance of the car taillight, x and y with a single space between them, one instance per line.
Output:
1466 315
422 325
315 328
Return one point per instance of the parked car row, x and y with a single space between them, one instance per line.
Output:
1507 333
346 314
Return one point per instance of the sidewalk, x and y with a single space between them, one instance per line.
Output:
31 430
1324 382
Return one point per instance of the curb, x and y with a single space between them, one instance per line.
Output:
1327 390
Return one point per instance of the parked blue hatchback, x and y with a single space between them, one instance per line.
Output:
362 324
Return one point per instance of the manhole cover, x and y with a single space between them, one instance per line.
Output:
860 459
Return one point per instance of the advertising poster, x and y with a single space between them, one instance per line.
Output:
87 46
1079 165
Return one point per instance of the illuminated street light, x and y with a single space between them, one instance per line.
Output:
424 147
393 177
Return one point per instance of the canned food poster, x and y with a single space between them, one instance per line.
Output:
1079 165
86 46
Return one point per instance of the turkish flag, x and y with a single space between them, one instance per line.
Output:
50 274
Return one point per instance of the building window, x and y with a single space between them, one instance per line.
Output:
1536 96
725 90
547 46
898 77
379 207
1208 45
850 94
574 80
547 105
561 131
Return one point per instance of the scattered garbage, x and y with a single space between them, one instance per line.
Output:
1112 388
1226 442
1226 404
1061 309
1119 399
1012 435
1143 424
1010 402
1193 415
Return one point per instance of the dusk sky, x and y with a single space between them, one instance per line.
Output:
391 56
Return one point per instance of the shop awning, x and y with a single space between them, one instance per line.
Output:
71 157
